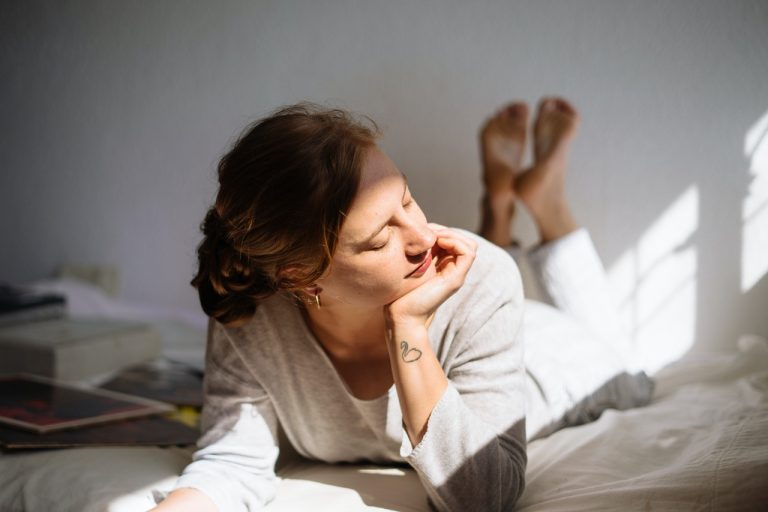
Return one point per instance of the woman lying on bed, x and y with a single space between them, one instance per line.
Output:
365 332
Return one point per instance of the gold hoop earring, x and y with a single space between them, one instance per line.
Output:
317 300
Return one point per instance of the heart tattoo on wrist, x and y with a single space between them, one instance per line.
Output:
409 355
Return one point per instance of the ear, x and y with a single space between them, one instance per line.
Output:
293 273
312 290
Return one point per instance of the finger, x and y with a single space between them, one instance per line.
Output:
453 271
459 254
450 238
436 227
455 246
453 233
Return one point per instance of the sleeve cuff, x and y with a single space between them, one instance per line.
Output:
224 493
407 450
205 486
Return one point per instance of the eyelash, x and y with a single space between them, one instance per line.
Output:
407 204
379 247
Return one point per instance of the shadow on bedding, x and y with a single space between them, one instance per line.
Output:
623 391
396 487
391 487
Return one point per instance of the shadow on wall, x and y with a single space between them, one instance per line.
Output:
659 294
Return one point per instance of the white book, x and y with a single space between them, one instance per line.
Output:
76 349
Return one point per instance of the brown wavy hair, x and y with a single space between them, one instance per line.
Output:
285 188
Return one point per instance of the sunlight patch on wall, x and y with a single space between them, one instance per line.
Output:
754 208
656 285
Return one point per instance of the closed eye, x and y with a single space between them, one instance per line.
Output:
408 199
379 246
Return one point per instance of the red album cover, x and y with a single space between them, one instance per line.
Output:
44 405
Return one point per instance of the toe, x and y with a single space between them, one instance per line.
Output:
546 103
518 111
515 108
564 106
515 117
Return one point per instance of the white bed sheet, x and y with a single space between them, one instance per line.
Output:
702 444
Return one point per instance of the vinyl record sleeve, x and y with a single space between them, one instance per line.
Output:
148 431
45 405
165 381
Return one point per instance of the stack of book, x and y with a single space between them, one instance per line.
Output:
76 349
19 305
45 360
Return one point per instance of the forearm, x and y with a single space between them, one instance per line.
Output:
466 463
418 376
186 500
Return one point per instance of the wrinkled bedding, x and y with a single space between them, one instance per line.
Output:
701 444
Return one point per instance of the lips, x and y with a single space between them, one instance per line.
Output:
423 266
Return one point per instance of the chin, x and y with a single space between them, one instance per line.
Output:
411 283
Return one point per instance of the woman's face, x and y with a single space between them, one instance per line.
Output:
384 249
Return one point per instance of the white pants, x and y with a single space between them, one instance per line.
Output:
578 361
570 275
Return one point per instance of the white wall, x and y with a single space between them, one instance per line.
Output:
113 116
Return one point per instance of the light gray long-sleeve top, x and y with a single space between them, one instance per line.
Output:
273 370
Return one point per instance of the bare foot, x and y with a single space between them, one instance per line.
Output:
502 142
502 145
542 188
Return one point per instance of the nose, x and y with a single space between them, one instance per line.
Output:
419 239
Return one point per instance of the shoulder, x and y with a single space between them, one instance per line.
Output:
493 273
492 284
482 320
239 350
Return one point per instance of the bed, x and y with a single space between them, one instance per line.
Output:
701 444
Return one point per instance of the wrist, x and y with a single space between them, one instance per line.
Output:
400 320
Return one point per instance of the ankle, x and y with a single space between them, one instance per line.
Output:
500 204
496 220
556 222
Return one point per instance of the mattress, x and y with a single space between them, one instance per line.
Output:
701 444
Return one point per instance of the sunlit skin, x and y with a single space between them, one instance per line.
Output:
370 266
541 187
373 318
390 272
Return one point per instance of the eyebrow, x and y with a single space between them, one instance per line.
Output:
384 224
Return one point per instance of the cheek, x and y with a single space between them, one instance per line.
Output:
379 278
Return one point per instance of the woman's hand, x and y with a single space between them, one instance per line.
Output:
454 254
417 373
